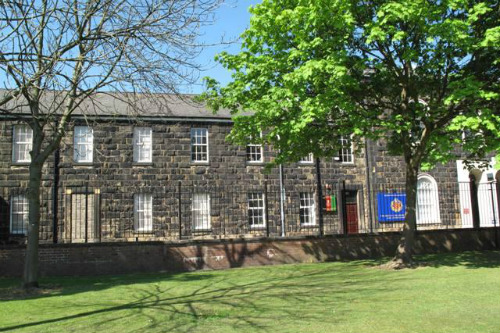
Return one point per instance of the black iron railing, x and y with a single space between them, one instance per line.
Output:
204 210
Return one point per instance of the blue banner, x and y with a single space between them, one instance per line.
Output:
391 207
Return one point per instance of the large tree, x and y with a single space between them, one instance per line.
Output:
56 54
415 73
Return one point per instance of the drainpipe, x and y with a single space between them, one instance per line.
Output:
320 196
282 195
369 185
55 196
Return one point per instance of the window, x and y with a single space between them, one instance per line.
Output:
345 153
256 210
201 211
427 200
307 209
254 152
143 147
22 142
83 144
199 145
309 159
143 212
19 215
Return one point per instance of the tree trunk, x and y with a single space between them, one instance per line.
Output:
404 252
30 278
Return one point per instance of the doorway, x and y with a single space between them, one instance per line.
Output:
351 209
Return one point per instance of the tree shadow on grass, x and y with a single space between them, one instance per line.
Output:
62 286
241 305
469 260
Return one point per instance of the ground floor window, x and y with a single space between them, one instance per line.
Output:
201 211
427 200
307 209
19 215
256 210
143 212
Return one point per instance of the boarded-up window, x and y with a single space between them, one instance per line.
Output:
83 223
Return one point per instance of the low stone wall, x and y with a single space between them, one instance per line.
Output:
119 258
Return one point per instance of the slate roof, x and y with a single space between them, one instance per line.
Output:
128 105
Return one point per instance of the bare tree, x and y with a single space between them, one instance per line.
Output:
56 54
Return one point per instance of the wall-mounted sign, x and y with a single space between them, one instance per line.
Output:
330 203
391 207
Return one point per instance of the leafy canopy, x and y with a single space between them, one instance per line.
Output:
415 72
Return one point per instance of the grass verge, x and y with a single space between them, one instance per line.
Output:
450 293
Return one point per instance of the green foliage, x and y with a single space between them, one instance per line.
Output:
415 72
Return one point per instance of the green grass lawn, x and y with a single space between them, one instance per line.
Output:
452 293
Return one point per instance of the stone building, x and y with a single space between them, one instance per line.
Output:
167 173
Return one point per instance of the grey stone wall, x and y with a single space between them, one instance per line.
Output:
14 179
111 180
388 175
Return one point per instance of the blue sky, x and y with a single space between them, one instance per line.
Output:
232 18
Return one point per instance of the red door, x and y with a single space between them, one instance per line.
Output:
352 218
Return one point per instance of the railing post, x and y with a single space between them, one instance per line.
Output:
86 214
344 208
97 213
266 208
416 204
494 214
179 207
68 228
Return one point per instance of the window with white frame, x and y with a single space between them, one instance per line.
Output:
256 210
345 152
19 215
307 209
143 144
427 200
308 159
199 145
200 210
254 152
143 212
22 143
83 144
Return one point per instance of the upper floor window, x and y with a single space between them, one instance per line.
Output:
22 143
83 144
308 159
345 152
19 215
427 200
307 209
254 153
143 144
199 145
143 212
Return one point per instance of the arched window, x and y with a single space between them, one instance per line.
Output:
427 200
